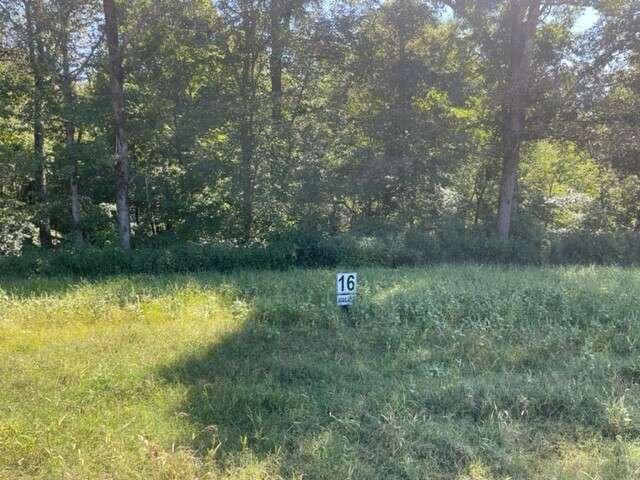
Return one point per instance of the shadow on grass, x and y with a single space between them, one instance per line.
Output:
386 393
298 393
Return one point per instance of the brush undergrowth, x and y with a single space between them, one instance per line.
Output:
307 250
443 373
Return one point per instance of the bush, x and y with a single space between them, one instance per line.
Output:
600 249
300 249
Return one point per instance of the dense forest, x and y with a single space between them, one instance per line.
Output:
236 122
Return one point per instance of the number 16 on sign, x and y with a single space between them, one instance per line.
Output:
346 286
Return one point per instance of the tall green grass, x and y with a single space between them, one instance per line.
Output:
440 373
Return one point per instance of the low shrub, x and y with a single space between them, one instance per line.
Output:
300 249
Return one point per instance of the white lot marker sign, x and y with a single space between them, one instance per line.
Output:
346 286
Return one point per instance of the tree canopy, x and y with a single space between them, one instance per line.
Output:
239 121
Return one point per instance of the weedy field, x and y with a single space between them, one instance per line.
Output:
451 372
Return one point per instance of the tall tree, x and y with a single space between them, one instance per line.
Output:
179 89
249 56
506 33
524 16
64 30
246 23
279 24
34 18
116 79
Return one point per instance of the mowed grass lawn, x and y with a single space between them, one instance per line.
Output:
450 372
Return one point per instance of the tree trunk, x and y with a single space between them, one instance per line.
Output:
247 180
70 130
511 159
76 220
154 228
116 78
33 16
277 15
515 105
44 222
246 133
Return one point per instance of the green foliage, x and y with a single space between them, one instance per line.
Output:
587 248
363 122
560 184
448 244
16 226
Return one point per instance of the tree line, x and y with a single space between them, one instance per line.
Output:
236 121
